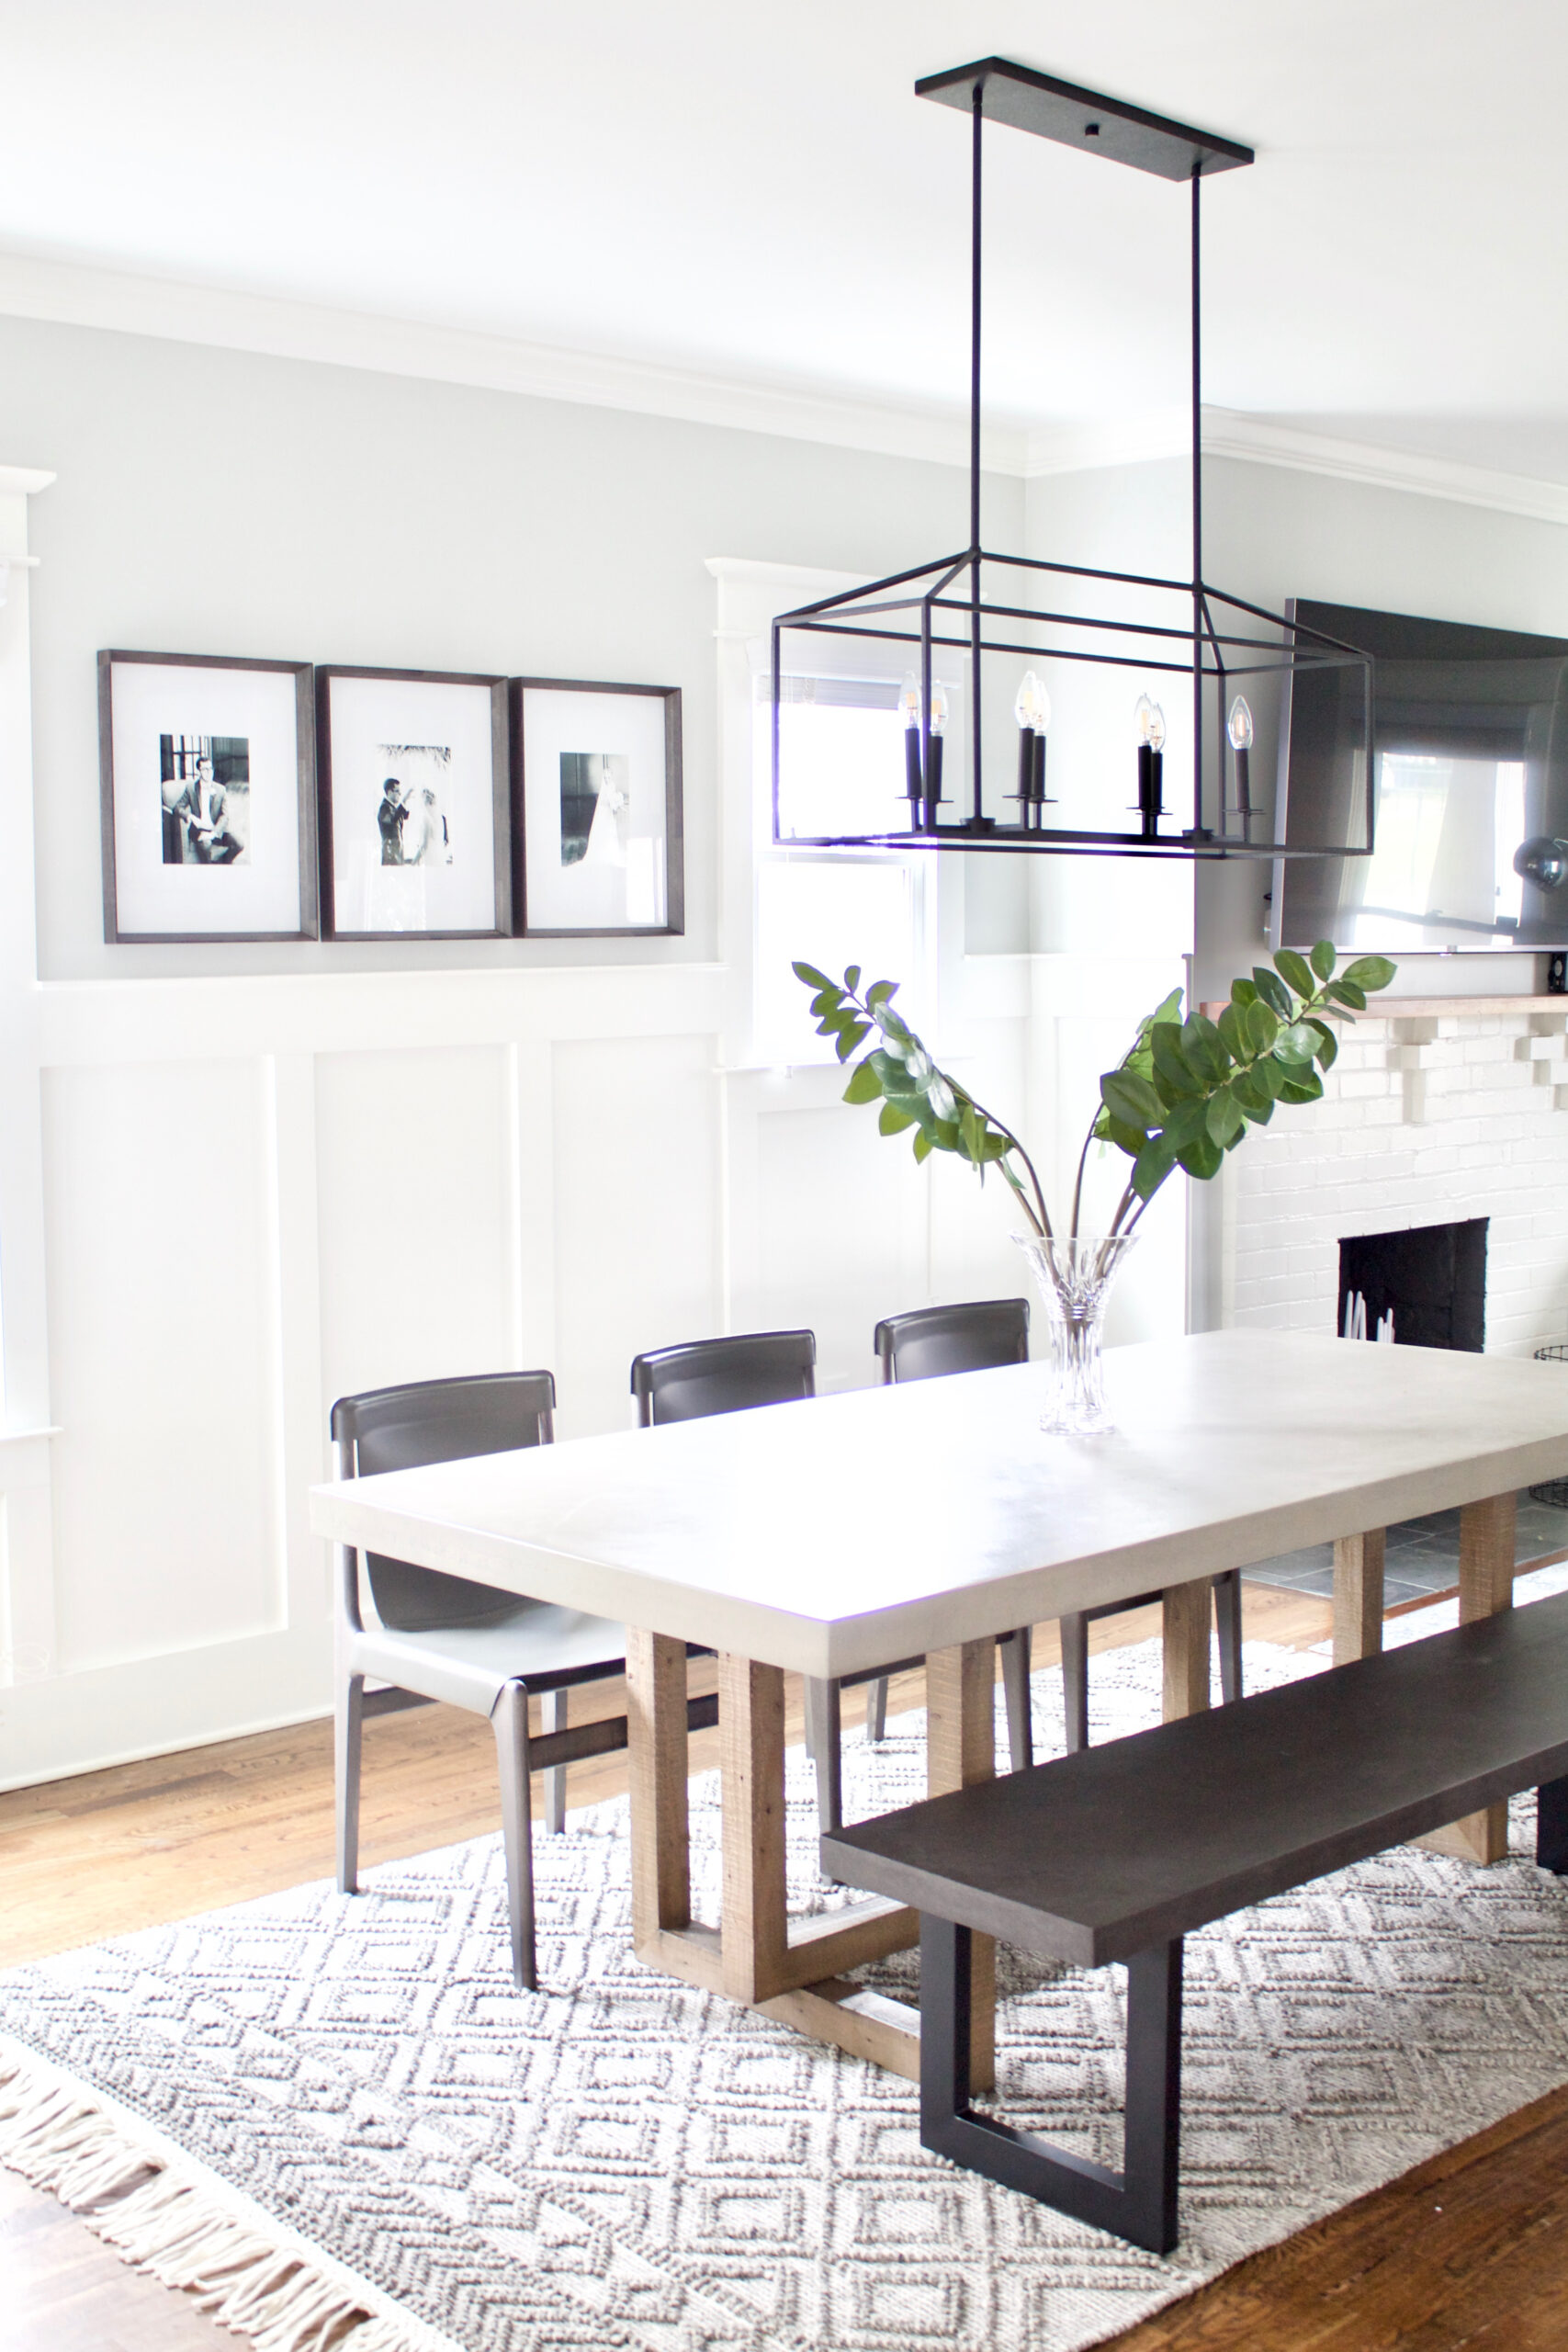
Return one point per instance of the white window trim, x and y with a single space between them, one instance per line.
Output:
751 593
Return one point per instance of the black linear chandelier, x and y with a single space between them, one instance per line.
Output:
973 606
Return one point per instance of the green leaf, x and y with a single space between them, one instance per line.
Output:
944 1133
1327 1044
972 1133
925 1144
1155 1164
1243 993
852 1038
1169 1009
1271 988
1295 971
879 993
1254 1094
1205 1048
895 1119
1262 1026
1323 959
865 1086
1171 1063
1232 1027
1225 1119
996 1146
851 978
895 1075
1187 1123
1131 1100
811 976
1128 1139
1347 993
1369 972
827 1001
1301 1086
1202 1158
1299 1042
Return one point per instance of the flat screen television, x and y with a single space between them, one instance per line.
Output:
1470 768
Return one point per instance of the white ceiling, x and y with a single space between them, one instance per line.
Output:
754 193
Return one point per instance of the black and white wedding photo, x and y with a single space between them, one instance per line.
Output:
206 782
207 768
410 809
599 780
415 794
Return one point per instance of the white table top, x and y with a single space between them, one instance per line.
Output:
836 1533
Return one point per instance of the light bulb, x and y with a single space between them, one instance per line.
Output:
909 700
939 709
1033 708
1239 725
1157 728
1143 716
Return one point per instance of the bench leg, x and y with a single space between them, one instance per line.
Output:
1551 1826
1138 2204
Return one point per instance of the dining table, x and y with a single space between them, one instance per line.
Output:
829 1536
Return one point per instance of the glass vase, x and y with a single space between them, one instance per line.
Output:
1074 1273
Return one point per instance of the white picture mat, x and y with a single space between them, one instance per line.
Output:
589 896
365 715
148 699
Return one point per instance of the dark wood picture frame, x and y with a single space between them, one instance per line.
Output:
304 774
675 837
501 795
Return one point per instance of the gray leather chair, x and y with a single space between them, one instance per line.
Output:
438 1637
703 1376
995 1330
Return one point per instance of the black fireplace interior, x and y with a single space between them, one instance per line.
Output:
1432 1279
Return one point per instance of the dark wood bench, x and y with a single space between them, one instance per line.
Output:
1117 1853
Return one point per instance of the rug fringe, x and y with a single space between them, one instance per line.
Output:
177 2229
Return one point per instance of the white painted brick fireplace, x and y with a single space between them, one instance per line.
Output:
1437 1110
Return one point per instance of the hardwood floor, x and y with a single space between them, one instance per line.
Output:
1470 2250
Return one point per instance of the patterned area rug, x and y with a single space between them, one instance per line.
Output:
626 2161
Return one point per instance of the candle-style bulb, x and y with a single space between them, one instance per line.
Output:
909 700
1142 717
1155 737
939 709
1033 708
1239 725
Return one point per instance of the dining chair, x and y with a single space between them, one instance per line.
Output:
440 1637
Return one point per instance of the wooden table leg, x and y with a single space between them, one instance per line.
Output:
1357 1595
1187 1609
662 1933
960 1750
1486 1534
752 1766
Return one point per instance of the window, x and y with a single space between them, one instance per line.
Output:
842 740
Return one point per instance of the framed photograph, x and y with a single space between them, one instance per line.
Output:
207 784
598 768
413 778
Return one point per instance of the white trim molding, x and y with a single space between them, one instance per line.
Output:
1167 432
72 296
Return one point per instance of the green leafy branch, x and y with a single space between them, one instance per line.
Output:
901 1076
1183 1094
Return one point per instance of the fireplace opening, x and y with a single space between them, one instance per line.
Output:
1423 1288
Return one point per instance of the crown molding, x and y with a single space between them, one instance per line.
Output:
69 295
1167 432
22 481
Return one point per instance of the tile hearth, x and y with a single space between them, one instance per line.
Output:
1422 1556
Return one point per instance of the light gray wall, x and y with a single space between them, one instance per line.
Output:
215 502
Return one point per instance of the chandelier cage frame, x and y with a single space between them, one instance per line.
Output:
926 608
